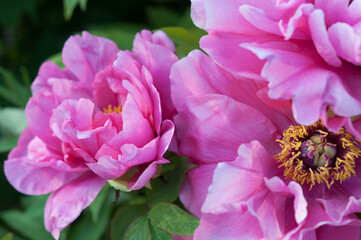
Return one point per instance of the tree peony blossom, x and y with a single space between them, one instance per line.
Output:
261 175
98 119
308 50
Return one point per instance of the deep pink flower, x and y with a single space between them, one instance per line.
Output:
308 50
95 120
248 184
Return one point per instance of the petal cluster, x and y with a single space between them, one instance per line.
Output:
104 115
308 51
229 126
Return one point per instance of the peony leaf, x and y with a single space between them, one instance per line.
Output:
123 218
12 121
139 230
182 37
70 5
162 16
86 228
13 91
158 233
166 190
8 143
99 203
27 222
57 59
173 219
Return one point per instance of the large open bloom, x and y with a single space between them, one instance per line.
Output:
98 119
308 50
261 175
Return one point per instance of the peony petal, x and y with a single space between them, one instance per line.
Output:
194 188
211 127
237 226
141 178
339 33
32 180
158 59
86 55
65 205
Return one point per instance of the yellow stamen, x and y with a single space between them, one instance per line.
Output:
295 168
112 109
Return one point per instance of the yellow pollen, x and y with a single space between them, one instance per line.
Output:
112 109
295 167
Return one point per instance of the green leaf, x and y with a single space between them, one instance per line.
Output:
8 236
57 59
173 219
69 6
86 228
139 230
28 222
161 16
82 4
158 233
12 121
13 91
97 205
182 36
167 190
121 33
8 143
123 218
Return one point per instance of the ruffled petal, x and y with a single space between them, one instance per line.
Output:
65 205
211 127
86 55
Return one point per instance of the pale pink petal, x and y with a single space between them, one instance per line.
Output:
228 226
203 76
258 18
166 135
224 48
65 205
194 188
38 112
158 59
47 71
33 180
86 55
321 39
141 178
339 33
211 127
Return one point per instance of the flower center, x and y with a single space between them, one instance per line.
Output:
112 109
313 155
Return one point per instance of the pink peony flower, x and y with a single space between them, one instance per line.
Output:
98 119
260 174
308 50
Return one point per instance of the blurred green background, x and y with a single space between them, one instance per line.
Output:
32 31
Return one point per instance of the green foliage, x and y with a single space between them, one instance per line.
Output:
173 219
123 218
87 228
184 39
57 59
28 222
12 123
158 233
167 190
11 11
97 206
69 6
122 34
139 230
13 91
